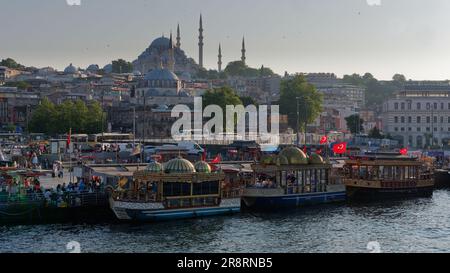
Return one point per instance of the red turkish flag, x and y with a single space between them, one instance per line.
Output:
69 137
340 148
217 160
324 140
404 151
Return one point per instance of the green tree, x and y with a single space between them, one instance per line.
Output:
122 66
96 119
74 115
44 118
375 133
399 78
21 85
222 97
355 124
297 92
238 68
247 100
10 63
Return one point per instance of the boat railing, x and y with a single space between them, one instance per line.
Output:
232 193
177 202
76 199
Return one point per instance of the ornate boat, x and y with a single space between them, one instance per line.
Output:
377 176
175 190
291 180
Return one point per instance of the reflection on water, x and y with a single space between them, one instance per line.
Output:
418 225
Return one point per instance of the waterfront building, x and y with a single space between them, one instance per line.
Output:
419 114
15 106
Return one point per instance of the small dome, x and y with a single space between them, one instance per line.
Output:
281 160
154 167
93 68
161 74
202 167
316 159
71 69
108 68
179 165
294 155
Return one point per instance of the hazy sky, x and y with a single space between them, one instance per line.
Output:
341 36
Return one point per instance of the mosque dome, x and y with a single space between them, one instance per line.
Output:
316 159
93 68
161 43
179 165
154 167
202 167
108 68
294 155
70 69
161 74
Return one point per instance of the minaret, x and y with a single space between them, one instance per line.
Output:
200 43
171 54
243 58
178 37
219 63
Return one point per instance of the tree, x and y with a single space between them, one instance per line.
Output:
375 133
76 115
10 63
399 78
355 124
222 96
21 85
122 66
297 92
376 91
44 118
247 100
238 68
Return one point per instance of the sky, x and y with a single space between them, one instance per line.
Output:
383 37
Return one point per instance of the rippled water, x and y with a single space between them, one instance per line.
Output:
419 225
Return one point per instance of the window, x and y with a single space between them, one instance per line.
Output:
442 106
428 106
419 106
435 106
418 129
418 120
395 119
409 106
442 119
428 129
396 106
396 129
435 129
435 120
409 119
402 119
403 106
428 119
402 129
409 129
448 119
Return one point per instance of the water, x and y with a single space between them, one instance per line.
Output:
419 225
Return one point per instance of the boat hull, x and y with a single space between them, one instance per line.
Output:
291 201
442 178
139 212
367 194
